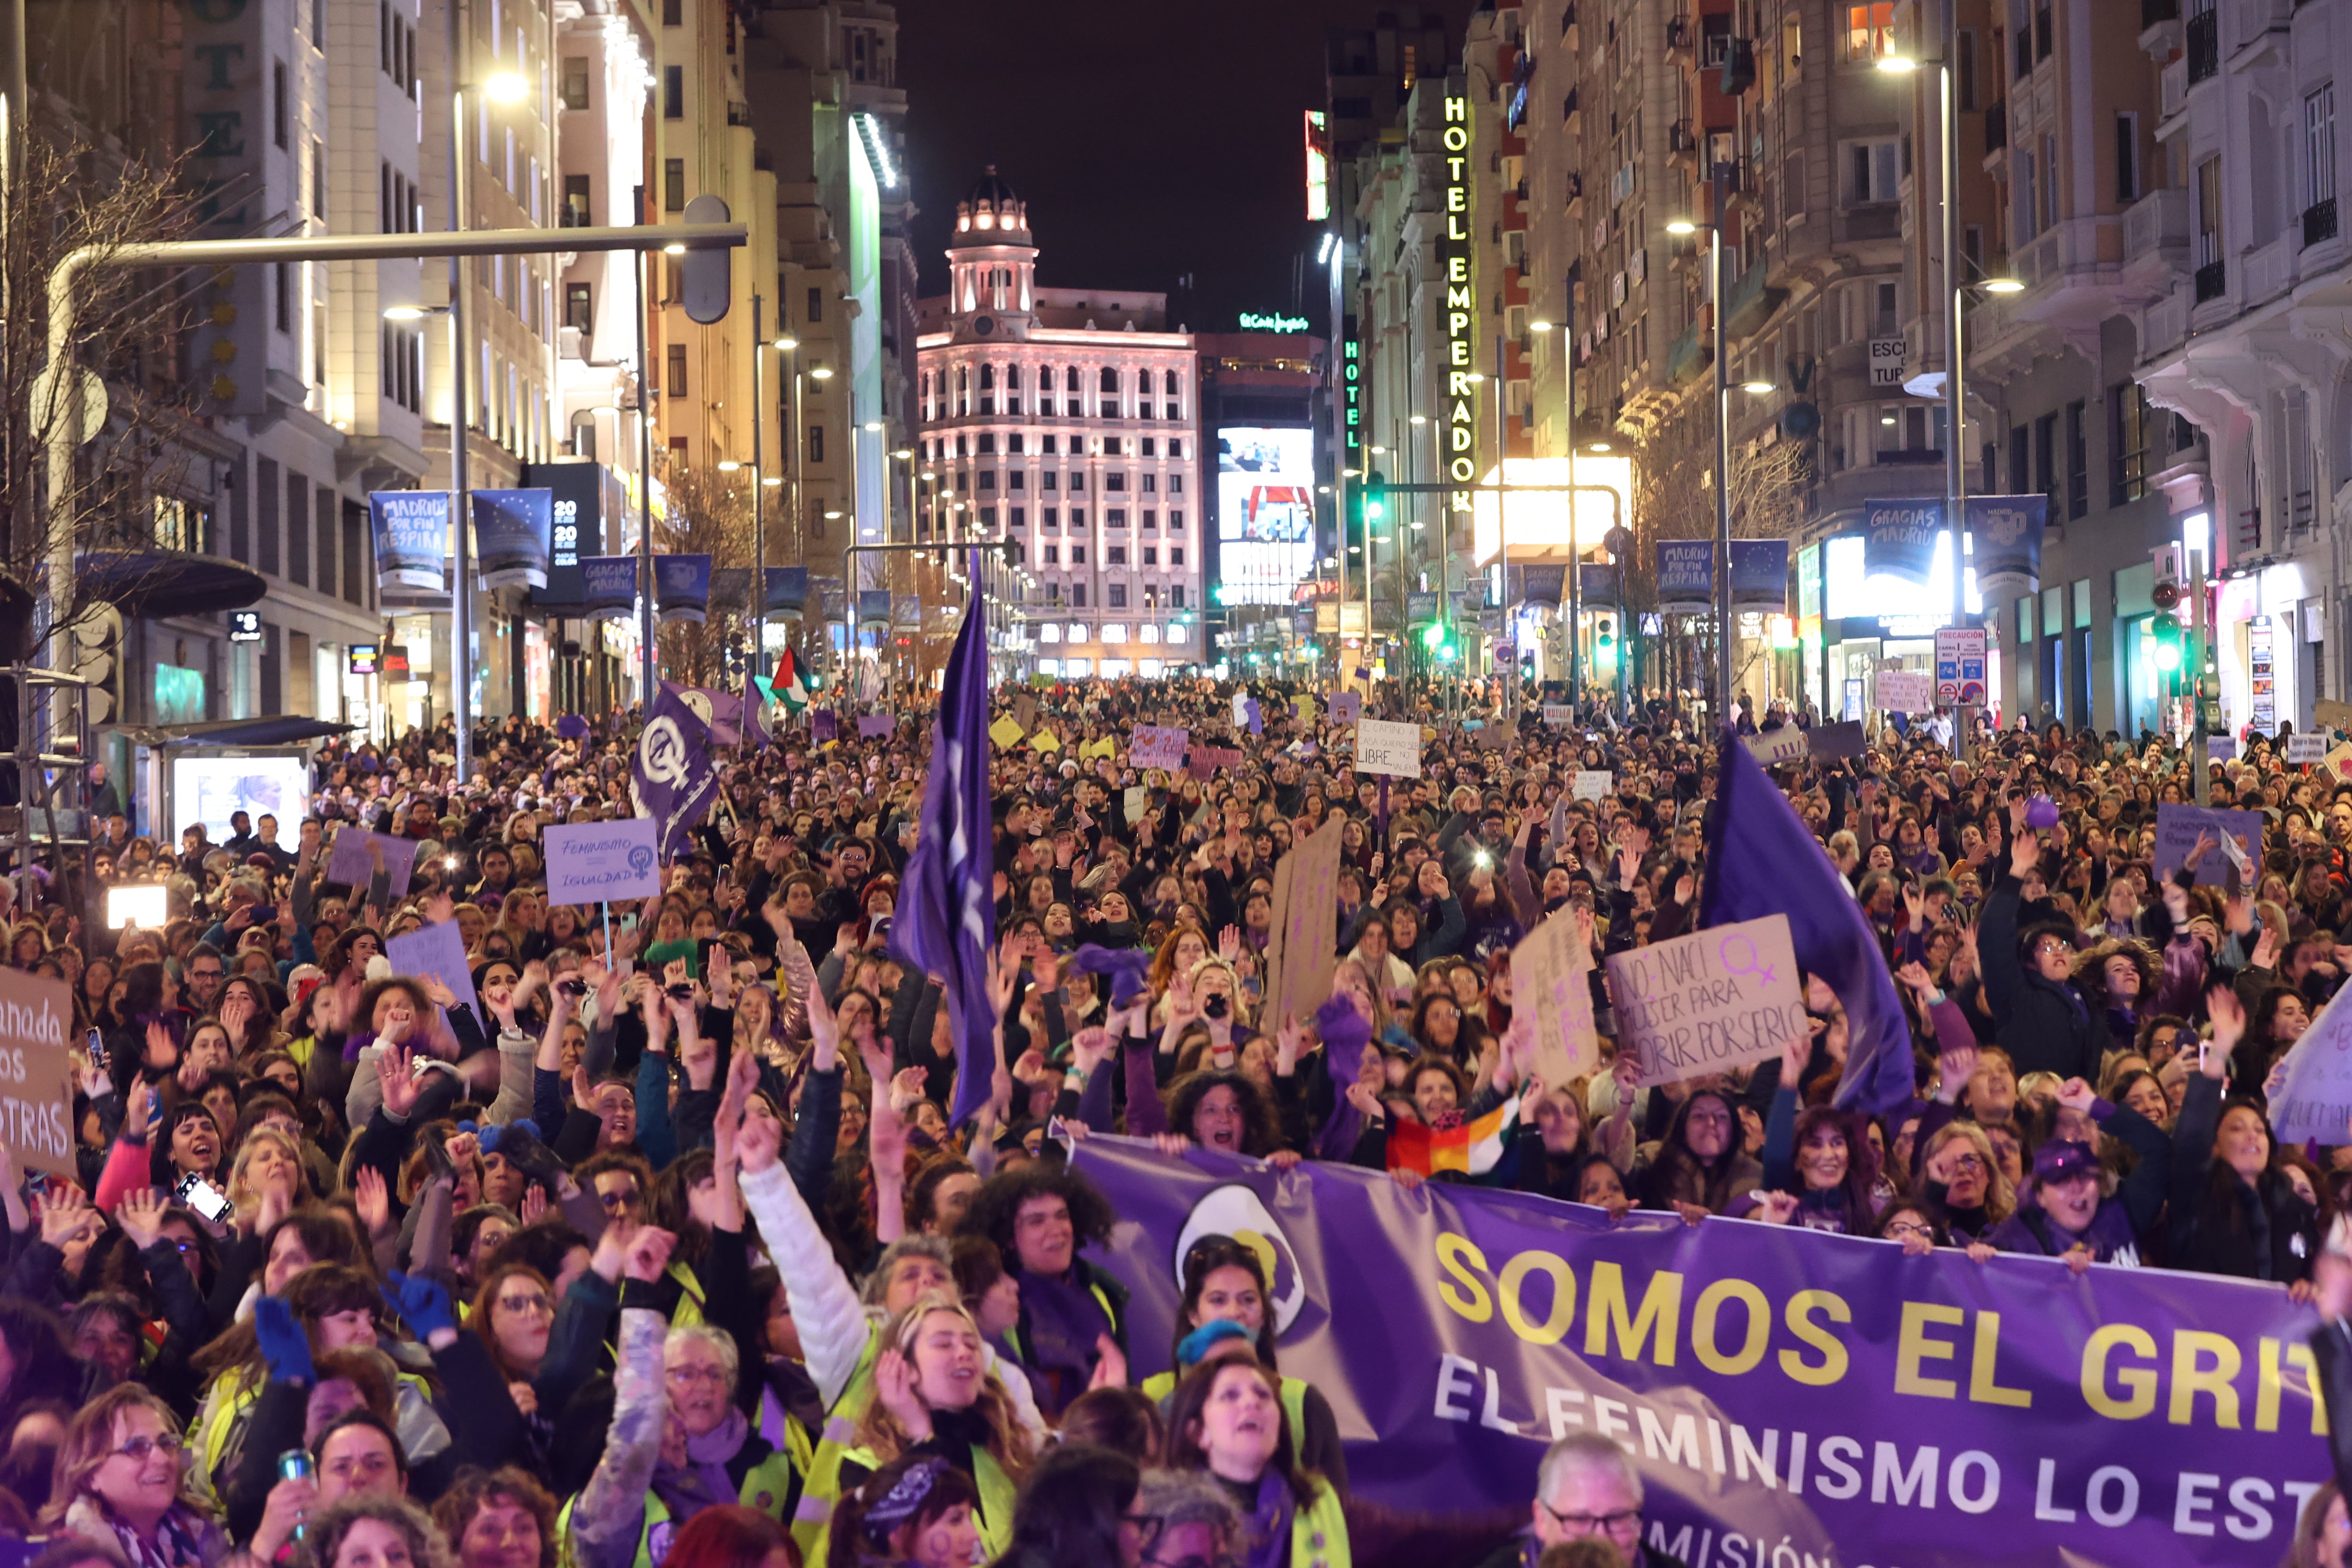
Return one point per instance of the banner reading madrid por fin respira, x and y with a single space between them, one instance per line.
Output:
1787 1393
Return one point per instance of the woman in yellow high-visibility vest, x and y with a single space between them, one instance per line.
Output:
1227 1419
933 1393
1226 1283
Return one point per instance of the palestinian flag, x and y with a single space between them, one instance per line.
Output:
1472 1148
787 682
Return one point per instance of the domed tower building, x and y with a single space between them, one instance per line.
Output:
1061 421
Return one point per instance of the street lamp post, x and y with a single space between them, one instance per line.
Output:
755 665
1718 172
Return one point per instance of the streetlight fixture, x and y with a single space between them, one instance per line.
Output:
1756 388
2002 285
729 465
673 251
821 373
507 87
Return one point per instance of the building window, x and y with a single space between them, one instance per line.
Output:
318 178
578 307
575 81
816 306
1077 590
1872 171
2128 433
1150 556
1049 518
1078 558
674 184
1117 600
817 443
987 479
2045 458
281 111
1870 30
673 13
576 198
2049 182
1115 518
2029 205
1115 482
285 291
2126 159
1078 481
1176 519
2078 463
1053 555
1176 558
2319 163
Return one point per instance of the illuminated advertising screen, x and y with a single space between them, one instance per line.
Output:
1265 513
211 789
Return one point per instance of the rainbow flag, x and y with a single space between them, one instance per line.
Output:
1471 1148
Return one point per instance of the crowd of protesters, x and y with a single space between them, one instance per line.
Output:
650 1241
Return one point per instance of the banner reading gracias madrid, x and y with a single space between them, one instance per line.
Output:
1792 1398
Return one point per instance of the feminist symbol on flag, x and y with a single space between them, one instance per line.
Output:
663 753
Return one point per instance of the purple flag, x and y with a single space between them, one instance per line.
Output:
670 777
1762 859
720 711
946 908
755 729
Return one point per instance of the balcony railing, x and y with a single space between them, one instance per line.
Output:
2211 278
1681 137
1678 33
2319 222
2204 46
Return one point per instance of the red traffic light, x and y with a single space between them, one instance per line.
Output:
2166 593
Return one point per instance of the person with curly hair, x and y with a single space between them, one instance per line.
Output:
372 1531
498 1519
1072 1327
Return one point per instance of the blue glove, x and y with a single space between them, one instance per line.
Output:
284 1345
425 1304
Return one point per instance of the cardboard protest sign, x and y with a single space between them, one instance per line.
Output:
349 864
1834 741
1006 734
1709 1002
1906 691
438 949
597 862
1302 951
2332 715
1492 738
1783 745
1159 746
874 726
2337 764
37 1075
1382 747
1552 970
2177 828
1205 760
1559 713
1302 708
1025 710
1137 801
1590 784
825 725
2310 748
1046 741
1347 707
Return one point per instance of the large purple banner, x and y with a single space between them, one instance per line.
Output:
1790 1396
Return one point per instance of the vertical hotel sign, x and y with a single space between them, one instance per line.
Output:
1461 424
1351 388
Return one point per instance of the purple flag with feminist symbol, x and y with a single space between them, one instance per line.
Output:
1762 859
670 778
947 909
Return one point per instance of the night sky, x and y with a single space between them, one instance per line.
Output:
1149 140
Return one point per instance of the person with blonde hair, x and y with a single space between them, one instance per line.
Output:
122 1480
1964 1179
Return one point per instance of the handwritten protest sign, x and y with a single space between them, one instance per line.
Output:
1205 760
1347 707
1709 1002
36 1072
438 949
2310 748
1906 691
1137 801
825 725
1301 956
596 862
1551 968
1833 741
1559 713
1591 784
1786 744
2315 1103
1382 747
2337 764
1159 746
2176 829
349 863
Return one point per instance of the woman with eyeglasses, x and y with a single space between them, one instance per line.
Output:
120 1480
1962 1180
2042 1022
1226 1419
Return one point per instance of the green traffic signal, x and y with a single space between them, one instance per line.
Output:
1376 496
1604 644
1432 634
2166 630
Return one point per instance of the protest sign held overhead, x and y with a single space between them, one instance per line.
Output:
1717 999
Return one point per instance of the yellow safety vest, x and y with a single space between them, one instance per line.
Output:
824 1487
1161 1385
997 1496
227 1403
689 1312
1318 1532
766 1486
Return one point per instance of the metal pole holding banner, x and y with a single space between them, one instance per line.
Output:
1502 535
1575 630
1955 474
1723 715
756 665
645 499
461 416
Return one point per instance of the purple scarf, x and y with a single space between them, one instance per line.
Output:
1063 1322
686 1490
1269 1528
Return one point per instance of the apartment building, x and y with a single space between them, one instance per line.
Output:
2246 259
1065 421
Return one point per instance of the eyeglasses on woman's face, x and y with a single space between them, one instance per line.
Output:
137 1448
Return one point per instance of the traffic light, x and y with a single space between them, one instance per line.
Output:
1604 643
1376 496
2166 630
1431 634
